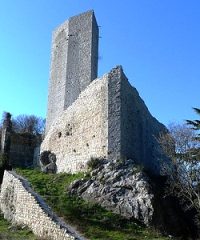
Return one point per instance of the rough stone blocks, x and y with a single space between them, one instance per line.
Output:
108 120
74 58
23 207
104 118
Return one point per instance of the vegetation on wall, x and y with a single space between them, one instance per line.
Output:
94 162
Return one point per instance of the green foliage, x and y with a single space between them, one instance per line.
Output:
195 123
93 221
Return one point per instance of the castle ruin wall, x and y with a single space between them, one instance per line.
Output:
114 114
58 69
81 131
139 130
108 120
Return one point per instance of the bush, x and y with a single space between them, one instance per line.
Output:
94 163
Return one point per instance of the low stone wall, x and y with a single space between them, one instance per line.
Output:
22 206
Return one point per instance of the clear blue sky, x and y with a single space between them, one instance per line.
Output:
156 41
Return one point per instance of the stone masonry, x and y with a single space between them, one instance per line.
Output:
6 134
22 206
80 132
21 149
108 120
74 58
105 118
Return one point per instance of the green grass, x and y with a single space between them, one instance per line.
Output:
93 221
8 232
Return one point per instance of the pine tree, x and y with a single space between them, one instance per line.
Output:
195 123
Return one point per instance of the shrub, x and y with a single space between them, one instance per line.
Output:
94 163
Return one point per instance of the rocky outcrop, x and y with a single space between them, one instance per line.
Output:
124 188
48 162
120 187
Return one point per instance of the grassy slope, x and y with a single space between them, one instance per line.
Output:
8 232
90 219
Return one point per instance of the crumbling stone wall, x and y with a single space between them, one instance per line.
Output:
22 149
74 59
108 120
22 206
81 131
6 134
19 148
114 114
139 130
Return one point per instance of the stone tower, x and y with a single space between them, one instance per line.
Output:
74 59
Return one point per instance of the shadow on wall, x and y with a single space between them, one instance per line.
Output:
22 149
4 165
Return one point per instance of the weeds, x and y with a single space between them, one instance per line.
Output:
94 163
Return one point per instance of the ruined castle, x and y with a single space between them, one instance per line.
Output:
90 117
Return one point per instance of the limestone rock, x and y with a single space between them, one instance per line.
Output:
48 162
124 188
120 187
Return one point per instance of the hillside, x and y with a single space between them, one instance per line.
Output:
93 221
